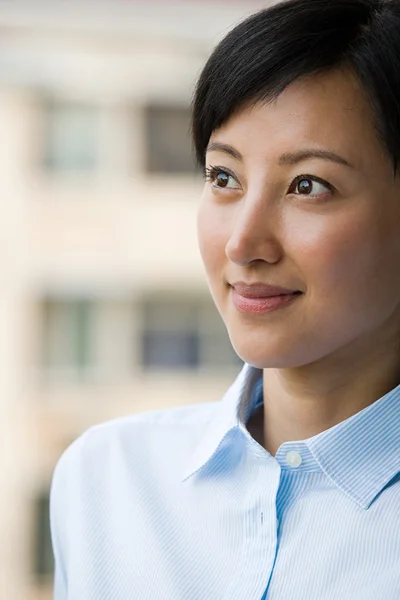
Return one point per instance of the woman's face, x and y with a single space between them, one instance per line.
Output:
333 234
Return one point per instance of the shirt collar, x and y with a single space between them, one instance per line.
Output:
361 455
230 413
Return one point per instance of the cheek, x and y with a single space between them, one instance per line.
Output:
211 239
340 257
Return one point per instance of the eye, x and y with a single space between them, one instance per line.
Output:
221 178
310 185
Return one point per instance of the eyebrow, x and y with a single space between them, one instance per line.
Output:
289 158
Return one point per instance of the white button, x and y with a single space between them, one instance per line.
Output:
293 459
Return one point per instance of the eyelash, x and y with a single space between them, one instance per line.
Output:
212 171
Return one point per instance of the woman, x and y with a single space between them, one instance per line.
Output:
289 487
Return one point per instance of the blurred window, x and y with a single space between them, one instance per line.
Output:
71 137
184 335
67 335
170 334
171 349
168 141
42 551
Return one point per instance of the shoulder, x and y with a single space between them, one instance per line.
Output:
115 468
135 451
148 433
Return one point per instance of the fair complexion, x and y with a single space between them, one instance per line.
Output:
334 235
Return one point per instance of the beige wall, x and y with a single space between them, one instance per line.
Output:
115 233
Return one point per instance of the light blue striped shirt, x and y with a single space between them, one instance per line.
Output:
183 504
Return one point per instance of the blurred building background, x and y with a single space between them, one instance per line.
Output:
104 305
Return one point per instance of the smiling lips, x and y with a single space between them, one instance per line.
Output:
260 298
261 290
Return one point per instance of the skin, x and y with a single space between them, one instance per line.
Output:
335 349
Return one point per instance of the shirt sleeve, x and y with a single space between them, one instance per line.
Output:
60 588
62 484
57 517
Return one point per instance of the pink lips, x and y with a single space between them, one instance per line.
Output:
261 298
260 289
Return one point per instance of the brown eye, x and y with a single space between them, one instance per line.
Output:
221 179
307 185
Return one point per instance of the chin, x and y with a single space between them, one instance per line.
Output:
276 362
266 355
265 358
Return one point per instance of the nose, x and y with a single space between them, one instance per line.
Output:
255 233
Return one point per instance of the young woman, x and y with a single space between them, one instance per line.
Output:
289 487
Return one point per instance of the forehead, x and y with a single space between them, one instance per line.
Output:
329 110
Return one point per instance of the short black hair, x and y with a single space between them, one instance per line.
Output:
269 50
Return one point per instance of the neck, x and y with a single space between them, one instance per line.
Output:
303 401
